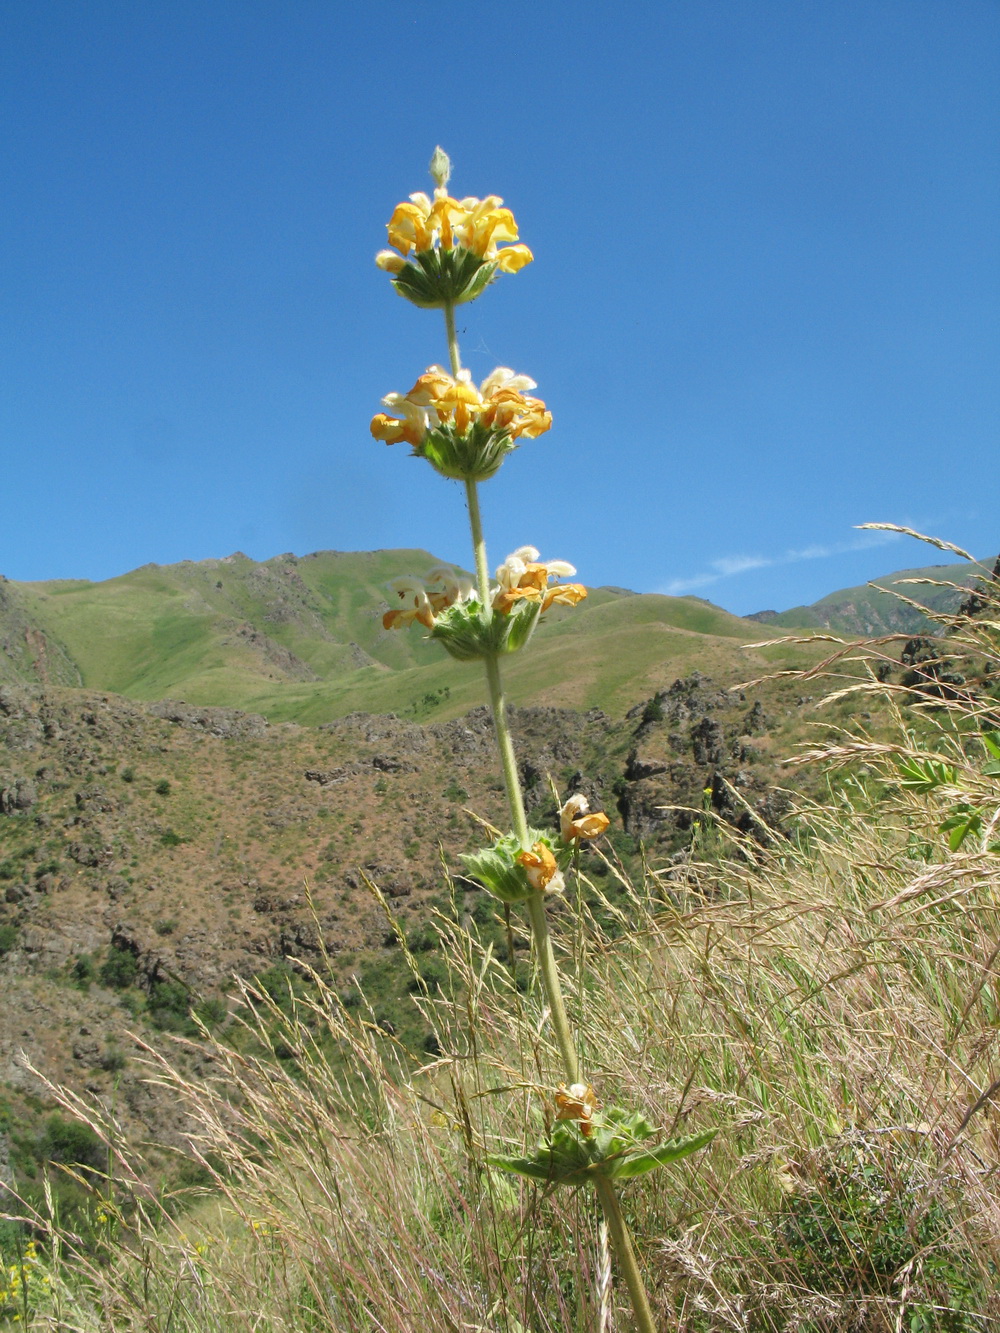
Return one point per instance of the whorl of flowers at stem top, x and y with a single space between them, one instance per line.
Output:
463 431
446 251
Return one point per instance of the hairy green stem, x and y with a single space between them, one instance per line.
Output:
621 1241
553 990
449 323
479 550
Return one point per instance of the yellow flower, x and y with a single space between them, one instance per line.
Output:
541 870
576 822
522 575
480 226
464 431
447 251
577 1102
414 604
422 599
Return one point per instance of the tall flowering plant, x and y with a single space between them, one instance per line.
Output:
445 252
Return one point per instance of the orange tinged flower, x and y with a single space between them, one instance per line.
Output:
500 404
421 600
575 821
523 576
541 869
577 1102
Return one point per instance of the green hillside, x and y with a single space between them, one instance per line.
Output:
301 638
873 609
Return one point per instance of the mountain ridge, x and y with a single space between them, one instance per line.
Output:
301 638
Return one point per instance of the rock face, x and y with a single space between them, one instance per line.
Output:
226 723
16 794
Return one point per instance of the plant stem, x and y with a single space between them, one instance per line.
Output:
553 990
449 324
479 550
621 1240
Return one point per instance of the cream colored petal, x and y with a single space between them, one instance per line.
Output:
390 262
494 380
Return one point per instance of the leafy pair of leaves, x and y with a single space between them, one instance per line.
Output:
470 634
436 278
964 819
617 1148
924 775
991 742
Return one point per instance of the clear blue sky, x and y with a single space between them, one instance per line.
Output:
764 306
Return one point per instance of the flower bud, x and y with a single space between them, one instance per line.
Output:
440 168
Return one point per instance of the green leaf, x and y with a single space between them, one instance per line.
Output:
963 820
637 1164
924 775
614 1150
992 770
531 1167
991 739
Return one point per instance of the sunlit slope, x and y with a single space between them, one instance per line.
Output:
873 609
301 638
606 653
221 628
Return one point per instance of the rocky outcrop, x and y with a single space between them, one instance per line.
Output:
226 723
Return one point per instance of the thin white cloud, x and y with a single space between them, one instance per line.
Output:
728 566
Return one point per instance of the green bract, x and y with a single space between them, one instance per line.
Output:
433 279
614 1149
471 455
497 870
469 635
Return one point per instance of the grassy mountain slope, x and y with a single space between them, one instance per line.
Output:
301 639
872 609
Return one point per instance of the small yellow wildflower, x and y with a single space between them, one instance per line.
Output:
500 404
422 599
481 226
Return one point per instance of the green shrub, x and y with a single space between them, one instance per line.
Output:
162 788
862 1222
8 938
70 1143
119 970
169 1006
83 971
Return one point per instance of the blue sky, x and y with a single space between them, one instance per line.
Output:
763 308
